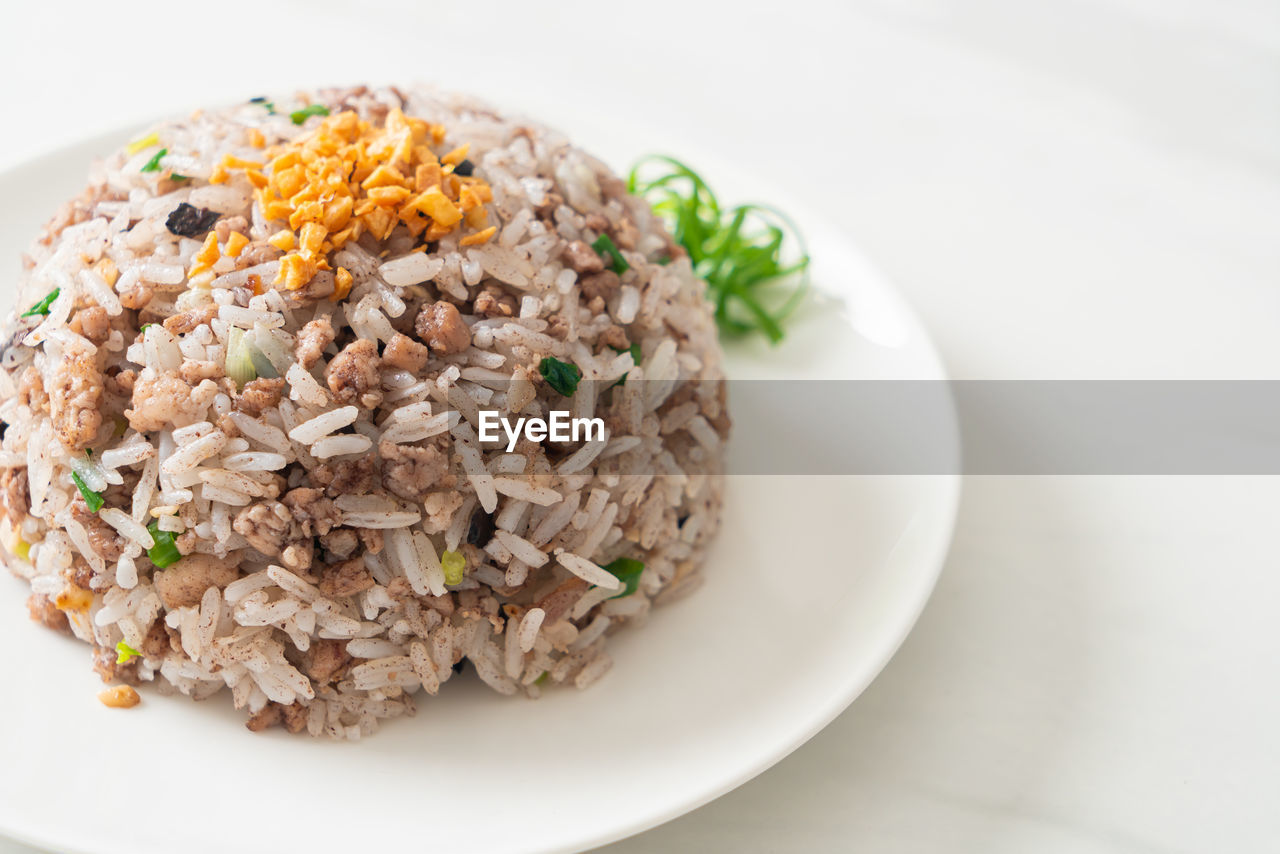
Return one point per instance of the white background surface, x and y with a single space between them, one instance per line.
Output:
1064 189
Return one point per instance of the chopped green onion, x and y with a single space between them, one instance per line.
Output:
240 365
42 307
124 652
268 105
174 176
738 251
561 376
300 116
261 363
141 143
634 350
605 246
627 570
454 565
543 678
164 552
153 165
91 499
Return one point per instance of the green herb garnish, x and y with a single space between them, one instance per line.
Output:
124 652
738 251
153 165
634 350
454 564
42 307
627 570
91 499
164 552
267 105
605 247
561 376
300 116
174 176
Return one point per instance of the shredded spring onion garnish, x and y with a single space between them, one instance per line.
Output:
607 249
124 652
92 499
739 251
300 116
634 350
561 376
42 308
164 552
153 165
627 570
454 565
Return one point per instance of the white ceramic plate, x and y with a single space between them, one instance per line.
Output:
785 633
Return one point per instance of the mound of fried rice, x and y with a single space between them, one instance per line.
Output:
241 384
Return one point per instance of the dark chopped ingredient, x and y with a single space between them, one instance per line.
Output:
480 531
460 666
465 168
190 221
259 99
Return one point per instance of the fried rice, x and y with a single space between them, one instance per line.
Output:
241 390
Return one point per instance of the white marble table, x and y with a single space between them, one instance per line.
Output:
1064 189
